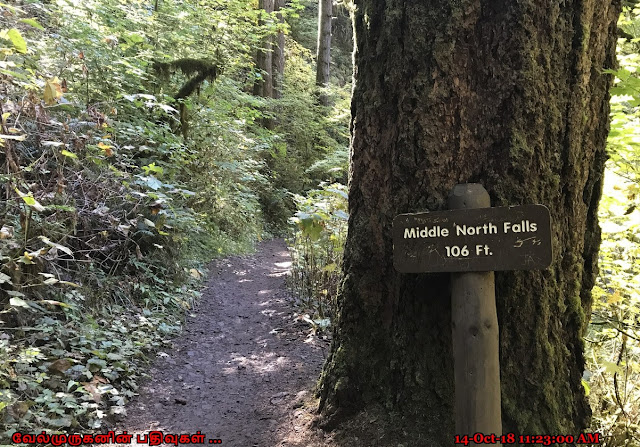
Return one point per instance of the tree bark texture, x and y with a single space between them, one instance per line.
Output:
507 94
264 59
278 54
323 56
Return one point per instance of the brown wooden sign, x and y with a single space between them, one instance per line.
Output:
473 240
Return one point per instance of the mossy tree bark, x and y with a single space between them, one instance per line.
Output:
507 94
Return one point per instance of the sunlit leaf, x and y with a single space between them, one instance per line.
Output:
13 137
17 40
615 298
330 267
153 183
55 303
5 279
32 22
26 258
52 91
58 246
66 153
611 367
107 149
30 200
11 8
18 302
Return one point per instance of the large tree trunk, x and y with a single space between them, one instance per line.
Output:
325 8
278 54
507 94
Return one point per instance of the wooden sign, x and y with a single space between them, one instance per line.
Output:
473 240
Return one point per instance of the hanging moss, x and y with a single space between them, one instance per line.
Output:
200 70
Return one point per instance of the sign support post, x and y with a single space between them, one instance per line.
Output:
471 240
475 336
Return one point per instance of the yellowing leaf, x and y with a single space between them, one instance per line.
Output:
26 258
66 153
195 273
615 298
55 303
611 367
52 91
106 149
30 201
17 40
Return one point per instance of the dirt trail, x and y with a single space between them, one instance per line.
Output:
243 369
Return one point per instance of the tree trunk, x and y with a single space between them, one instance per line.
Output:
264 59
324 47
507 94
278 54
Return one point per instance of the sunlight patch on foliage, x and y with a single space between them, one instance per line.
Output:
613 336
316 250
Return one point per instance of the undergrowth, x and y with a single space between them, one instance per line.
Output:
612 377
316 249
114 194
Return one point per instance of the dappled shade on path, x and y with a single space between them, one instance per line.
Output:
244 366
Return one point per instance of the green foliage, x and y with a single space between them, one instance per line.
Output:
305 134
613 338
109 207
316 250
73 370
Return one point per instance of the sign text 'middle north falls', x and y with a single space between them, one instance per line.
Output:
481 239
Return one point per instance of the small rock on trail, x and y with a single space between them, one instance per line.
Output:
243 368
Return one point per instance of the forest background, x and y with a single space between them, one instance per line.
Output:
137 143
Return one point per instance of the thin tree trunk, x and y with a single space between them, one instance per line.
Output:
323 58
278 54
507 94
264 62
264 59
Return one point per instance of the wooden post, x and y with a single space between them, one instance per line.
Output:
475 337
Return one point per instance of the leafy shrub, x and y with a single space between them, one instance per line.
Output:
316 250
107 213
613 337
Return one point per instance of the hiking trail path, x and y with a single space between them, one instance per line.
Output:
244 368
